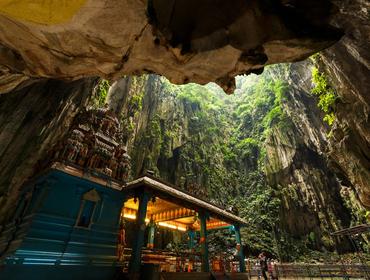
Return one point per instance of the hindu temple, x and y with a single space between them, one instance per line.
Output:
79 216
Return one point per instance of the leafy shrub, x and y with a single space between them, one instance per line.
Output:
102 92
326 94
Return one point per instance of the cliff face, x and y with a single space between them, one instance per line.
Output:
297 162
216 148
31 121
164 125
316 157
348 65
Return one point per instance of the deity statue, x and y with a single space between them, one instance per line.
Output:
82 155
95 142
113 165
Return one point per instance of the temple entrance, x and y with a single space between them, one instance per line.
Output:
165 229
168 243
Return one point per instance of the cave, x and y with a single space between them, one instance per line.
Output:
259 107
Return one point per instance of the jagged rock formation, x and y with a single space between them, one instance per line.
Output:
160 124
348 65
171 139
178 39
31 121
298 164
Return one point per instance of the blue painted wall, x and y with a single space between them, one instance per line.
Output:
43 240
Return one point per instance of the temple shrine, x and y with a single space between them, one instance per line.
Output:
79 218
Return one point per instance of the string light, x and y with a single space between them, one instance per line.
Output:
129 216
172 226
181 228
133 217
163 224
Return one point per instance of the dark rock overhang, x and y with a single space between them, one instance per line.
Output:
185 40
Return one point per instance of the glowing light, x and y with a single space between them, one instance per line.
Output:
129 216
163 224
172 226
133 217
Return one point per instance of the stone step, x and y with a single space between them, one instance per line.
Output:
237 276
185 276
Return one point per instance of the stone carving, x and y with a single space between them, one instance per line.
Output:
94 143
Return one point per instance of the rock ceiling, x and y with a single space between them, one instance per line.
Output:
184 40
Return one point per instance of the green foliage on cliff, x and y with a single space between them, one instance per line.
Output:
101 93
260 206
326 94
213 145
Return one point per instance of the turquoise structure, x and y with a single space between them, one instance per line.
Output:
191 240
65 227
66 223
239 248
135 261
203 241
151 235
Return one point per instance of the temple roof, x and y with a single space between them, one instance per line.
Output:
170 205
180 197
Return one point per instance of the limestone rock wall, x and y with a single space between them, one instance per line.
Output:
319 163
32 119
297 164
348 65
158 114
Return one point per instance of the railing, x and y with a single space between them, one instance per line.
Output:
276 271
168 260
310 271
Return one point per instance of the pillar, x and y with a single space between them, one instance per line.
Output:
191 245
151 234
203 242
138 242
191 235
239 247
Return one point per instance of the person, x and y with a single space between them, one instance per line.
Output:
270 269
263 264
121 241
273 274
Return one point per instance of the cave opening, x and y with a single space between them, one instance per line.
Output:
258 107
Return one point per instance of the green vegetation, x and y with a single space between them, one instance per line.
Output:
215 146
101 93
326 94
134 104
222 154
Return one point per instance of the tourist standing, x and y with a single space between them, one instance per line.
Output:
263 264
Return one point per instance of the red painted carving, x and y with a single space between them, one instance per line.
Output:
95 143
